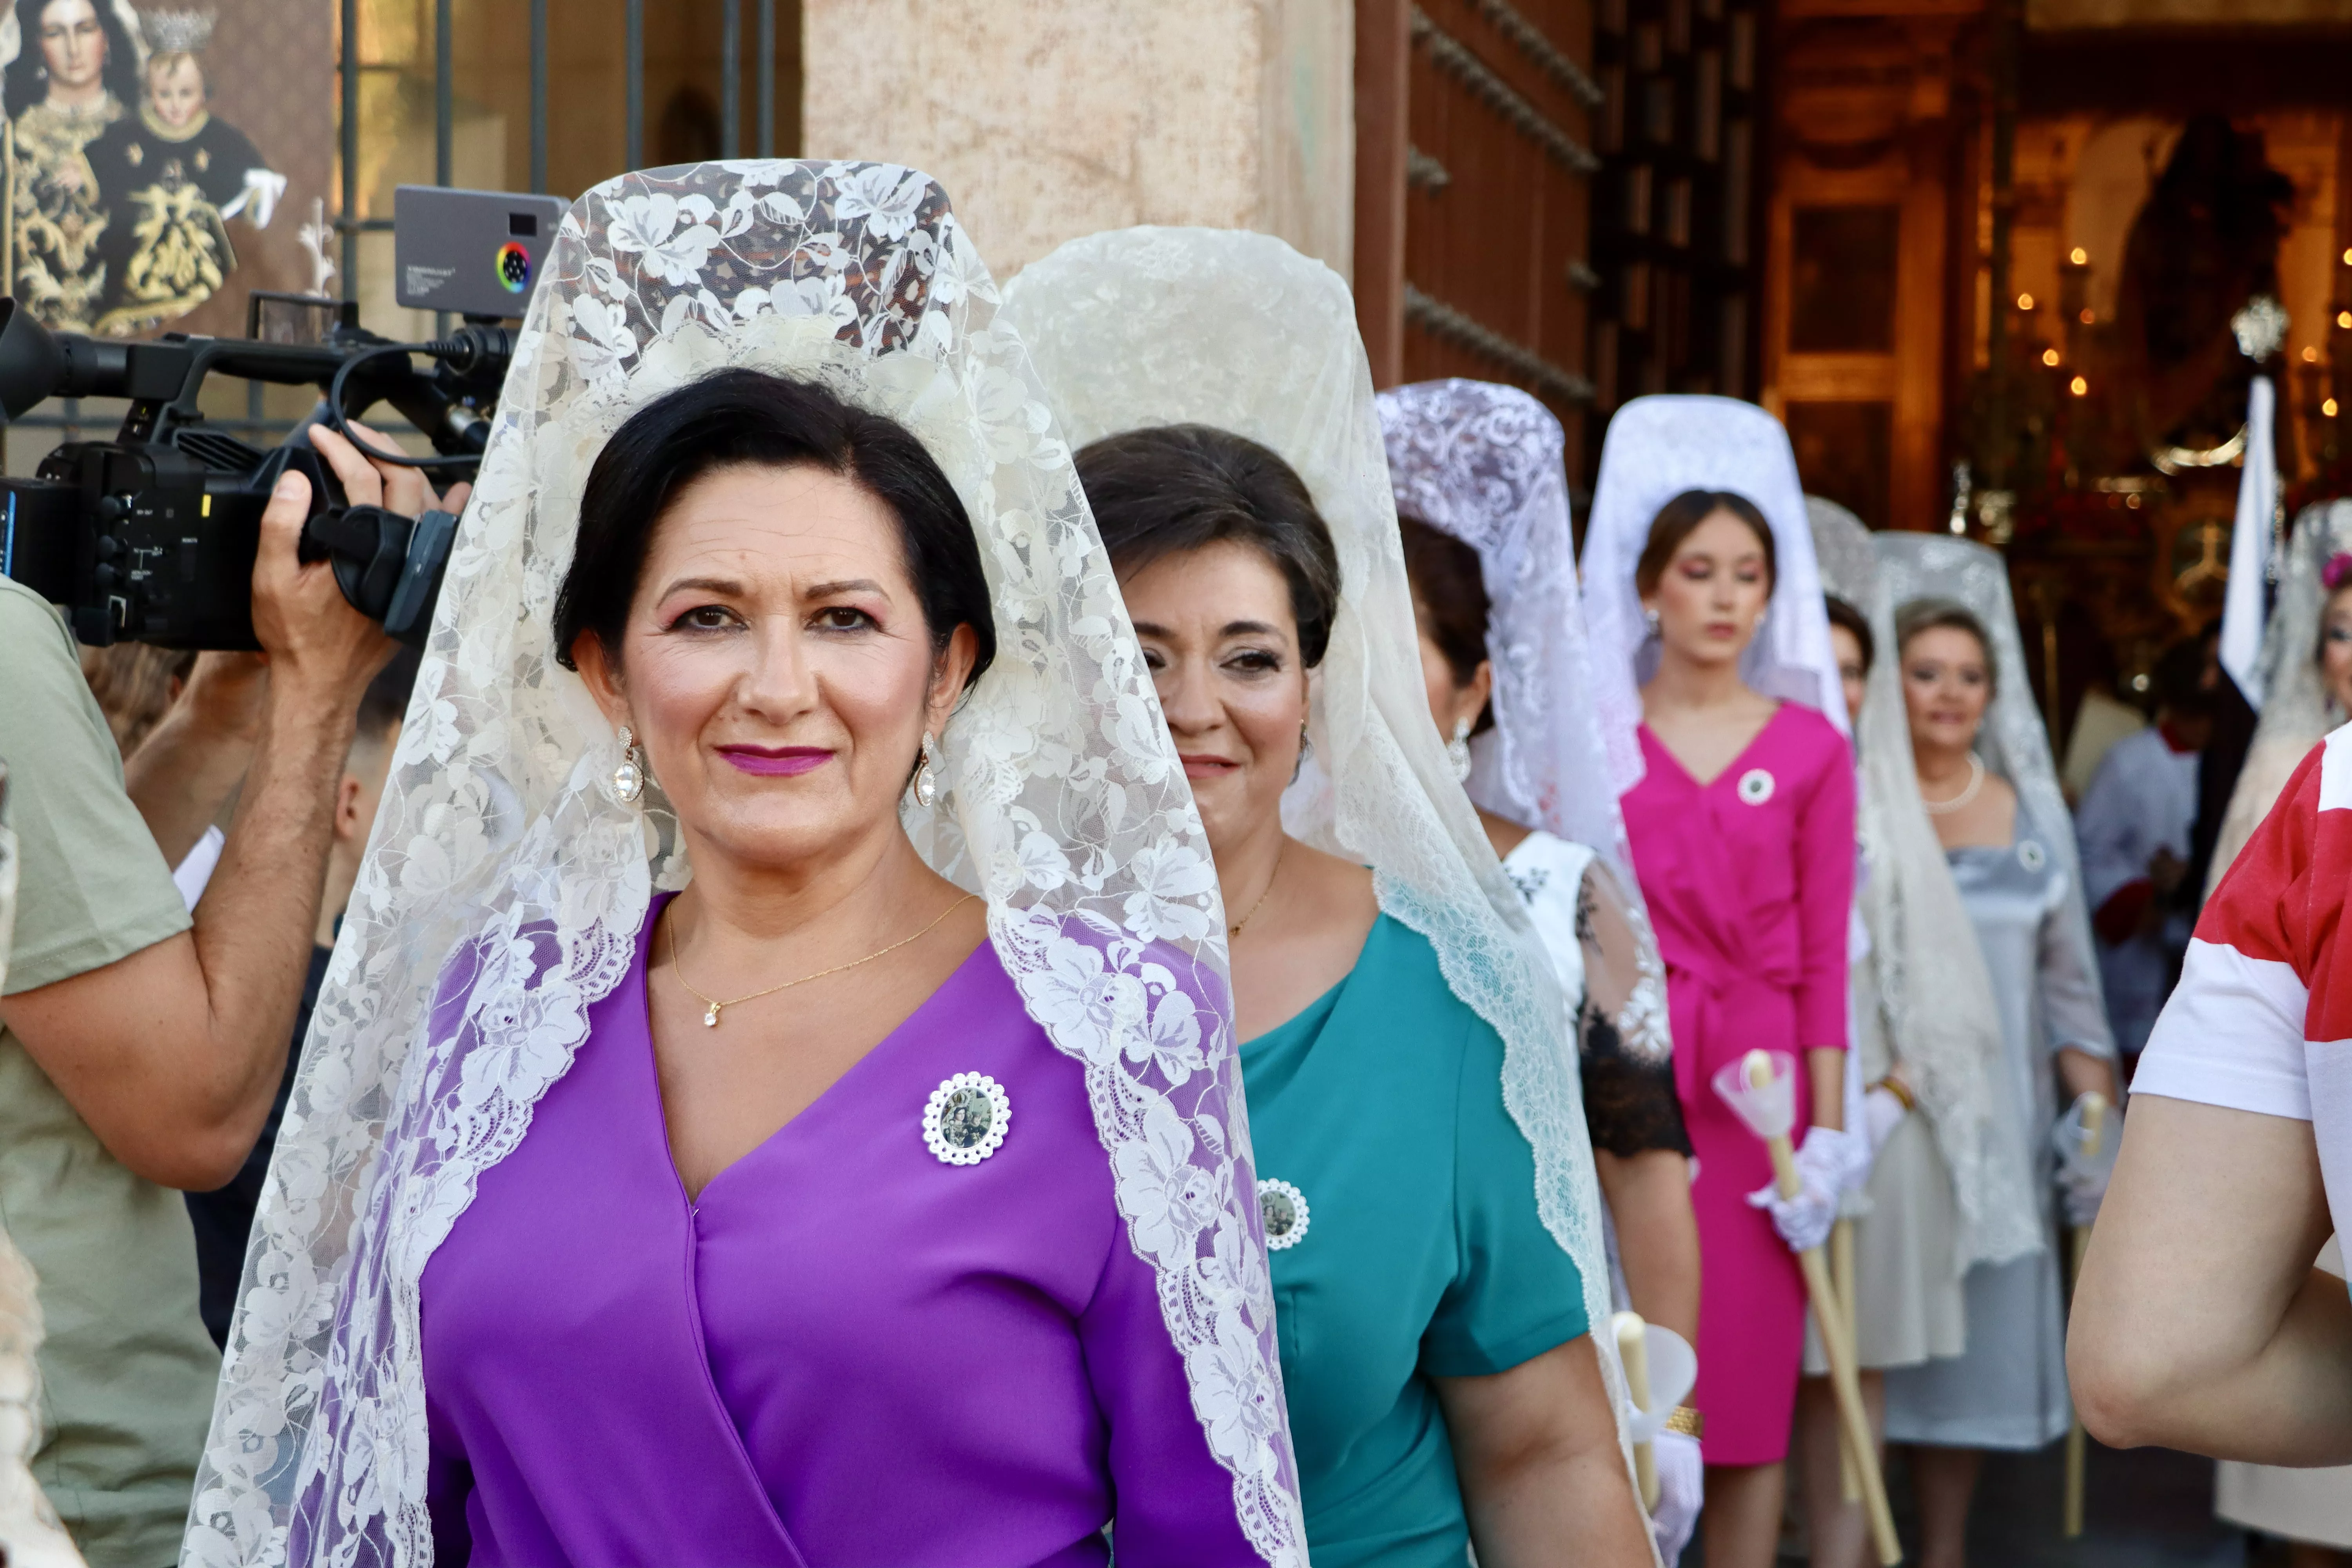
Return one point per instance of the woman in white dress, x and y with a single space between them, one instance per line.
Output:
1943 1191
1987 779
1482 503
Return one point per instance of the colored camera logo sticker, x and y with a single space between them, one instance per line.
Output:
514 268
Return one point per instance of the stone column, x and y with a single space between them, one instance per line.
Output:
1050 119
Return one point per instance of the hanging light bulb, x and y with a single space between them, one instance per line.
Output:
2078 386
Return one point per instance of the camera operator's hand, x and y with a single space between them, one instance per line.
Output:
387 485
315 641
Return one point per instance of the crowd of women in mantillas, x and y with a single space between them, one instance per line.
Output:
1019 922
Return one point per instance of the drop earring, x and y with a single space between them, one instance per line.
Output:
629 777
1457 752
1650 619
927 782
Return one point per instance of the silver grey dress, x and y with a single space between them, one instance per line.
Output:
2008 1389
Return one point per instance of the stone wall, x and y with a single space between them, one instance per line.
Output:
1050 119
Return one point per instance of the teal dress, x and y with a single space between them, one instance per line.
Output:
1401 1227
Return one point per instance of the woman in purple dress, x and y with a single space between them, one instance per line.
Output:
765 1217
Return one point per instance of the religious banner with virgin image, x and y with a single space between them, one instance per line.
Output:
161 162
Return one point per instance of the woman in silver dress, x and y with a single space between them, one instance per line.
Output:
1986 777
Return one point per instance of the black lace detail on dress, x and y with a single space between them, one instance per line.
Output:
1630 1105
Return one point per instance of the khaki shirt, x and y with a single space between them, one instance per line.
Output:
127 1370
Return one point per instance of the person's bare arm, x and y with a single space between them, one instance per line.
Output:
2200 1323
1542 1479
2082 1072
185 770
1657 1235
172 1054
1826 1078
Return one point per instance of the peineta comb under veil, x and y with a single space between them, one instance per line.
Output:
1062 804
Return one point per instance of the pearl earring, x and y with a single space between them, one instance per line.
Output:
926 783
1457 752
1650 618
629 778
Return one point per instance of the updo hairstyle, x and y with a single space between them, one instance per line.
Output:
1449 586
1927 614
749 418
1175 488
1679 518
1857 625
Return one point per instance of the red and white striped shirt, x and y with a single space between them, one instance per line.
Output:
2262 1020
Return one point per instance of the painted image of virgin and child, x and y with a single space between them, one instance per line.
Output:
121 180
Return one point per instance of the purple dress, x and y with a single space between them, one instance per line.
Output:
846 1351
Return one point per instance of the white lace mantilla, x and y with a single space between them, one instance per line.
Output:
504 887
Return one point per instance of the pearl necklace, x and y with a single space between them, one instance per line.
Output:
1968 794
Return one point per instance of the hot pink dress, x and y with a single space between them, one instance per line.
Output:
1748 878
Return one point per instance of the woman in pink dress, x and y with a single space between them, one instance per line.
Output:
1742 817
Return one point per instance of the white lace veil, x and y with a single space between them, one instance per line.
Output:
498 842
2012 742
1933 989
2297 712
1144 327
1656 448
1486 465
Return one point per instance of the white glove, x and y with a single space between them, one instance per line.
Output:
2083 1179
1883 1111
1826 1164
1682 1487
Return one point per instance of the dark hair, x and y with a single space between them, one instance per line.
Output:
748 418
1679 518
1449 586
2178 682
385 701
25 83
1857 624
1927 614
1175 488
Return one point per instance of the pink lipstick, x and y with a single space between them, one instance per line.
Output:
776 761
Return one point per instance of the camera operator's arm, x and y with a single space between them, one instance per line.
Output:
188 766
172 1054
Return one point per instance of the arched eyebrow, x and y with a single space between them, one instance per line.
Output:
732 587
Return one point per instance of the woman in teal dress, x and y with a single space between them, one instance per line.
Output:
1426 1185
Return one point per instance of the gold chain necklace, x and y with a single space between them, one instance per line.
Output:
1235 928
713 1006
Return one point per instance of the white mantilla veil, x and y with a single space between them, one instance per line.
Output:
1935 993
1486 465
2012 740
1145 327
2296 712
1656 448
504 886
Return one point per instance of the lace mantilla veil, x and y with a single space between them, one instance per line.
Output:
1486 465
1153 326
2012 742
1933 989
1062 802
1656 448
2296 712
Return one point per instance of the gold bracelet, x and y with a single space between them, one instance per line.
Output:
1899 1089
1686 1421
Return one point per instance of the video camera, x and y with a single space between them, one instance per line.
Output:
151 537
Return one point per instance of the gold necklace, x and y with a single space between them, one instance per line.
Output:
1236 929
712 1006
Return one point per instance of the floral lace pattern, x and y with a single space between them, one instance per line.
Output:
498 843
1154 326
1934 991
1656 448
1488 465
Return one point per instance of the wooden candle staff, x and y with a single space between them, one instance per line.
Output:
1634 1351
2094 1127
1853 1418
1842 1275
